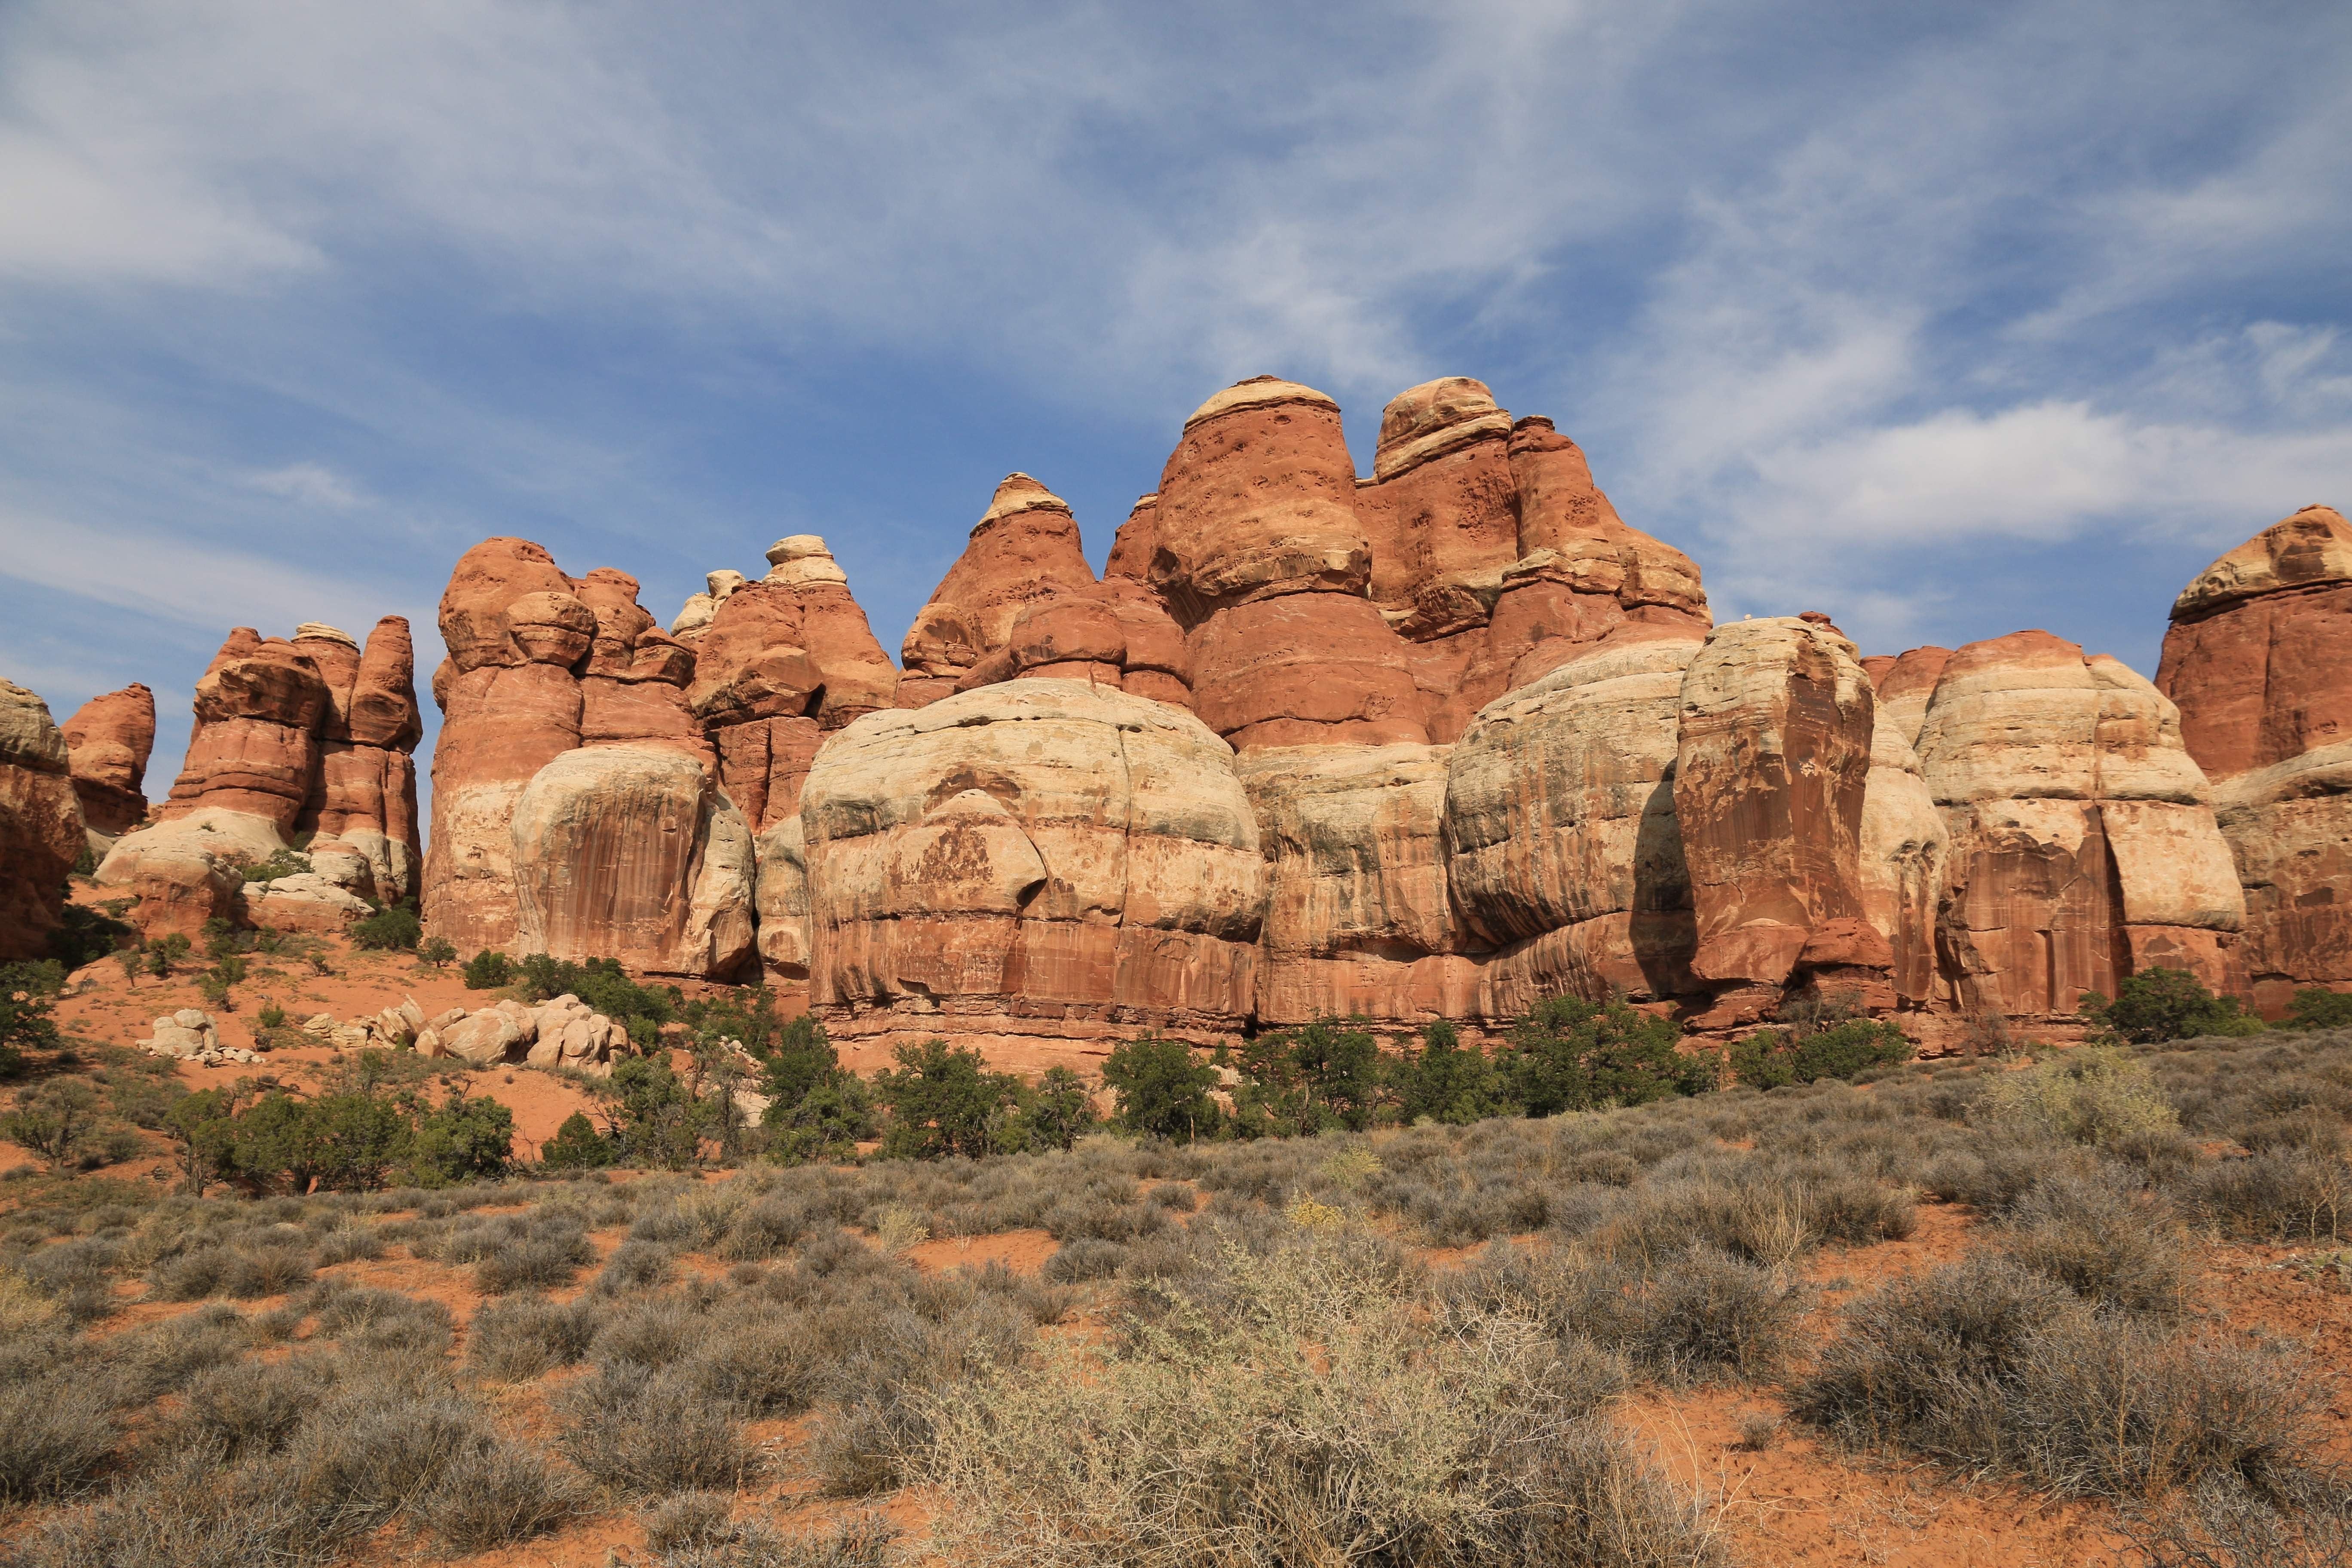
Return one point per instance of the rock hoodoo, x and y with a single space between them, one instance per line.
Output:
1463 740
309 738
2256 657
109 737
41 831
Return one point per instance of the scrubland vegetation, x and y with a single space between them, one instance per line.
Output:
1342 1312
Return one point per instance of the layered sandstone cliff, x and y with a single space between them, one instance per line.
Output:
2256 657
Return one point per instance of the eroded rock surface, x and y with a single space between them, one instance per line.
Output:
2255 659
109 739
1033 859
41 831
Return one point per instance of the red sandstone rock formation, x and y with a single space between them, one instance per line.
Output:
110 737
1260 556
309 738
41 831
1565 855
1441 513
2082 844
1904 682
577 803
1036 859
2256 658
1024 548
1774 756
1359 919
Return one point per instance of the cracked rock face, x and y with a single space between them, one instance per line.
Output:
40 823
1035 858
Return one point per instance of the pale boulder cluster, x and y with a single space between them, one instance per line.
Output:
1435 743
561 1032
191 1036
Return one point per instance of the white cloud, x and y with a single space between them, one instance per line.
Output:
310 484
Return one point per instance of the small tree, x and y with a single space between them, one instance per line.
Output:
27 1005
2158 1004
1445 1080
942 1100
1055 1112
54 1122
654 1118
393 930
577 1146
1572 1055
489 970
203 1128
1162 1089
2316 1007
435 952
825 1123
464 1139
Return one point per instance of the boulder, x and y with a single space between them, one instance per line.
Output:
492 1034
41 830
631 852
259 710
2083 844
305 902
1040 858
1773 757
109 739
1904 842
1441 511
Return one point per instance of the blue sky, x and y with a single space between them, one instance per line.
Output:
1946 320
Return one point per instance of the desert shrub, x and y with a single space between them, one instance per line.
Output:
694 1532
2092 1094
547 1254
499 1495
2217 1525
27 1008
281 862
394 928
1771 1058
1693 1316
246 1409
367 1319
762 1362
2158 1004
84 935
1054 1112
1161 1091
251 1272
185 1513
1298 1082
2279 1195
1984 1366
766 1227
649 1433
368 1455
161 1360
657 1119
2092 1237
56 1435
605 986
56 1122
516 1340
1451 1443
649 1332
487 970
635 1265
1086 1258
